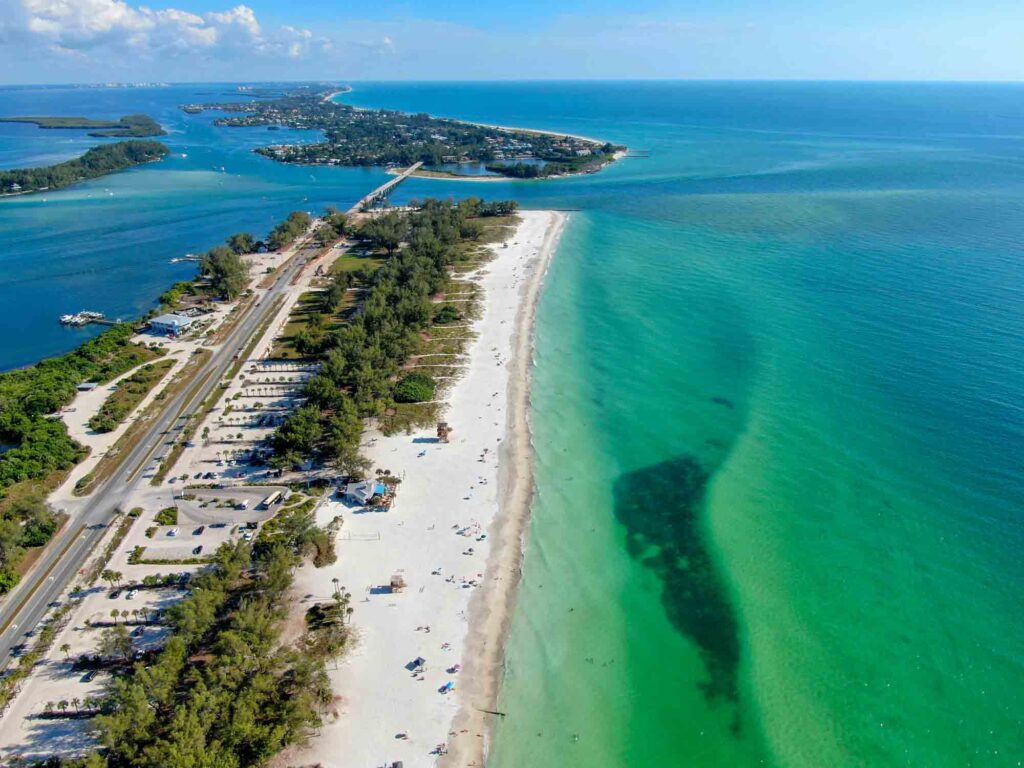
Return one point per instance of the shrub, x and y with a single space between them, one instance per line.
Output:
167 516
415 388
446 313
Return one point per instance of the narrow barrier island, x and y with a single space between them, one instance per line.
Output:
129 126
98 161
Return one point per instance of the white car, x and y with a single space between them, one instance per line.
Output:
131 594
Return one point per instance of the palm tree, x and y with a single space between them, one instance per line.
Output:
124 614
48 707
66 650
62 705
114 613
75 702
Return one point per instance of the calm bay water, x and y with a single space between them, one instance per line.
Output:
106 244
776 403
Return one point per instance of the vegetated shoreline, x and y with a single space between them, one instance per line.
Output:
492 607
130 126
451 176
154 153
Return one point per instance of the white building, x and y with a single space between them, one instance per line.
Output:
170 325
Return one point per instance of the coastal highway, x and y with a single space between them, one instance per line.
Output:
68 552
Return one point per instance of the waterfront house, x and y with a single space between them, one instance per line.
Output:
170 325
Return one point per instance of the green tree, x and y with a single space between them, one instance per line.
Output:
386 231
227 272
241 243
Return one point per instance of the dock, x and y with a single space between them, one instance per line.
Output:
85 317
381 192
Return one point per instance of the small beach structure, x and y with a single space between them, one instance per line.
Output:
443 431
364 491
397 582
170 325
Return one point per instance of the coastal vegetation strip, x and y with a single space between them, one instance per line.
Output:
225 689
98 161
40 446
115 455
129 126
127 396
363 372
368 137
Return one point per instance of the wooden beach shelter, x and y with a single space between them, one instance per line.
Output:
397 583
443 431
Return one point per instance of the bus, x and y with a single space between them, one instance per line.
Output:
271 500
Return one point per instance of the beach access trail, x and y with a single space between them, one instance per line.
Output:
454 535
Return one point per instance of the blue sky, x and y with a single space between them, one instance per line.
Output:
48 41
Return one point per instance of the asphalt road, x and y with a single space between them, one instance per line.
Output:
67 553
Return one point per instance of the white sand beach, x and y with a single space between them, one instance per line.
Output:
455 536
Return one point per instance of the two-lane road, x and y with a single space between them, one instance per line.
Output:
23 608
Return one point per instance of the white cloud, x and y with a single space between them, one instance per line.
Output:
69 26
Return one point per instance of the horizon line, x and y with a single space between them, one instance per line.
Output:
803 80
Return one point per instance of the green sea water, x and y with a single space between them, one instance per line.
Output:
777 422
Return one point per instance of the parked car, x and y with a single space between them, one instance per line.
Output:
172 532
197 550
138 631
199 531
131 595
114 595
89 676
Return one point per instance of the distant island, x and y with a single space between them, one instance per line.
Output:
377 137
98 161
129 126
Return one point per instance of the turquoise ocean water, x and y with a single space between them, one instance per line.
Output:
776 408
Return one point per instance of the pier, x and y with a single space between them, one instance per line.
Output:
79 319
383 190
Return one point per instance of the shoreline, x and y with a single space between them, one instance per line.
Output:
451 176
492 608
495 126
454 535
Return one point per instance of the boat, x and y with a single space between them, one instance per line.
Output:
82 318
